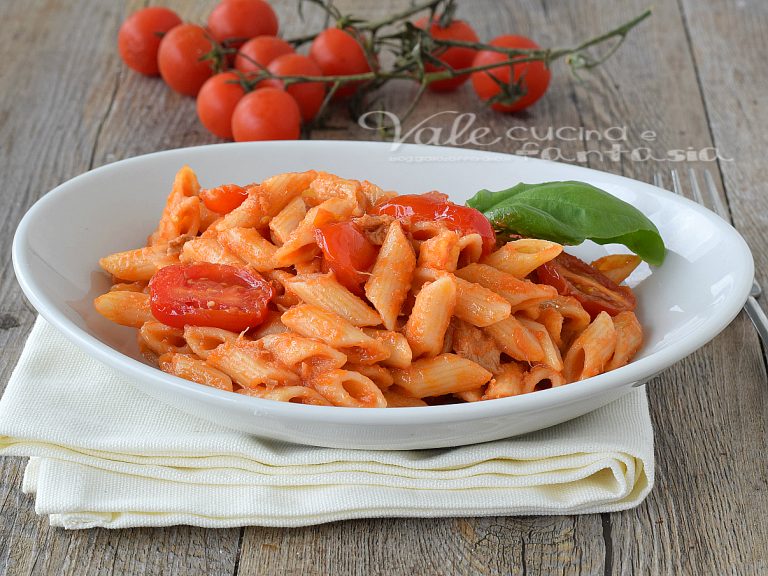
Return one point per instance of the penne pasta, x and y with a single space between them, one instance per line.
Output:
248 246
287 220
443 374
508 381
479 305
541 377
203 340
592 350
617 267
162 339
431 313
334 330
323 291
329 186
552 356
293 394
181 214
125 308
294 351
194 369
519 293
208 250
521 257
470 249
377 374
515 340
397 347
629 339
396 398
440 252
140 265
250 365
391 276
349 389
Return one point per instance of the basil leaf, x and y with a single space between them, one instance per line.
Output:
569 213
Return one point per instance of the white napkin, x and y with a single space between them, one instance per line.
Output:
104 454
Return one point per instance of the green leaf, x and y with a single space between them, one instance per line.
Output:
569 213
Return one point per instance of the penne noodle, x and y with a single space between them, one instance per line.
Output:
590 353
272 324
194 369
575 318
349 389
203 340
541 377
521 257
470 395
129 287
519 293
125 308
516 340
397 398
329 186
432 311
334 330
250 365
179 213
301 245
629 339
323 291
552 320
479 305
617 267
294 394
443 374
391 276
208 250
440 252
248 246
373 194
294 351
470 249
162 339
377 374
552 356
139 265
396 345
508 381
287 220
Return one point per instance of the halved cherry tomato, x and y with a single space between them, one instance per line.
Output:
209 295
596 292
347 252
435 206
225 198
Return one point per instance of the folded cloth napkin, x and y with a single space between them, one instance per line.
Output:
104 454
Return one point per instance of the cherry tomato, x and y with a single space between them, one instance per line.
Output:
338 53
216 102
308 95
456 57
347 252
179 58
258 52
140 35
534 76
209 295
596 292
266 114
225 198
435 206
236 21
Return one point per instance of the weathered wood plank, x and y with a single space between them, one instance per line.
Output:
52 117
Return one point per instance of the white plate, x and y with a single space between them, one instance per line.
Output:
682 305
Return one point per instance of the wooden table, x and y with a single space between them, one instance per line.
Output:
691 79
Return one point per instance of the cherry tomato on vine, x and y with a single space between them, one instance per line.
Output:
435 206
258 52
597 293
209 295
533 76
236 21
223 199
456 57
140 35
338 53
216 102
308 95
266 114
347 252
179 58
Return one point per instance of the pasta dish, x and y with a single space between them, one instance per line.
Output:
315 289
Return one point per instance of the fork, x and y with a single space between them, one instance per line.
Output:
751 306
